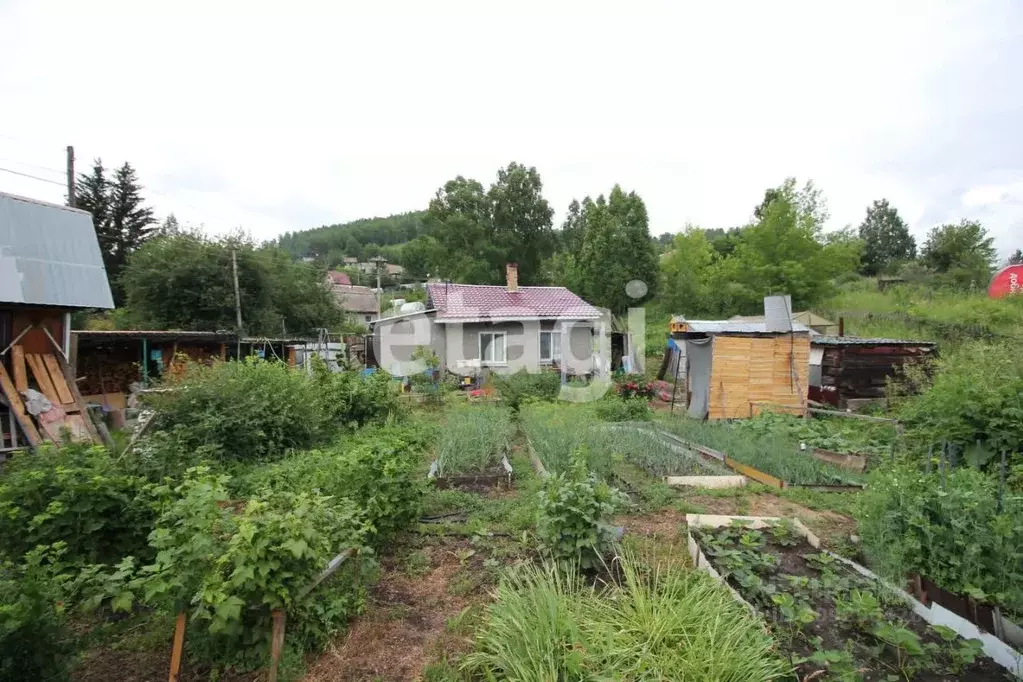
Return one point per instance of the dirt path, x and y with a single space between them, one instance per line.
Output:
406 623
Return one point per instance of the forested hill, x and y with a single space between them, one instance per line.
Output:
361 239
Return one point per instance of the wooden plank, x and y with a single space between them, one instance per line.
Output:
59 383
276 642
18 407
705 481
18 367
42 378
755 474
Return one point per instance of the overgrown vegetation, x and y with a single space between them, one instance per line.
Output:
523 386
662 622
945 526
838 434
81 496
473 440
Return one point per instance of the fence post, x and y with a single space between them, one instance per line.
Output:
177 647
276 643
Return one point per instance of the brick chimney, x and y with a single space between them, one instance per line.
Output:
512 275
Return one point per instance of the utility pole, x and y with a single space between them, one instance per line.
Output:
237 300
378 260
70 176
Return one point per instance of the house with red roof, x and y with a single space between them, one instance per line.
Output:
476 328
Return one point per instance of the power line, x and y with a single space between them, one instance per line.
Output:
56 171
34 177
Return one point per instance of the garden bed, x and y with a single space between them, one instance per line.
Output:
677 464
499 477
834 617
769 460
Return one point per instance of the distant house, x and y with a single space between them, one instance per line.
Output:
361 302
50 265
394 270
476 328
349 260
337 278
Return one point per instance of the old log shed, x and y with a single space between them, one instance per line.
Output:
853 369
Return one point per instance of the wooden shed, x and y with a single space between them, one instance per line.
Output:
735 369
848 371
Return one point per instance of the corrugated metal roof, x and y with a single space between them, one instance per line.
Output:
49 255
735 327
857 341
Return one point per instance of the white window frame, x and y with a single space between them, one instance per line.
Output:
504 348
555 355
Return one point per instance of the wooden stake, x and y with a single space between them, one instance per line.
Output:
177 648
18 366
276 643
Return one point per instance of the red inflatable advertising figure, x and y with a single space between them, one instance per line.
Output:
1007 282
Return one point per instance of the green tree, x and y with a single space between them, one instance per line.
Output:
572 229
616 250
962 252
522 221
1016 258
170 225
184 281
685 273
121 219
886 239
784 252
479 232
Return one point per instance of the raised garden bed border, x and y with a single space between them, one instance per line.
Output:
709 481
935 614
490 479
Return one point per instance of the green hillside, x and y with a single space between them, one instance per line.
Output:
362 239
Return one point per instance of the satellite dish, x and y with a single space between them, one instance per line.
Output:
1007 282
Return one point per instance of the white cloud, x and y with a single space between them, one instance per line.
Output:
279 119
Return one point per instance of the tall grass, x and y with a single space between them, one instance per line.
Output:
473 439
772 453
661 623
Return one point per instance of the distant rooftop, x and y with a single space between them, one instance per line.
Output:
735 327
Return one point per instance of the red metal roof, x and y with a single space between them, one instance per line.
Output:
477 301
339 278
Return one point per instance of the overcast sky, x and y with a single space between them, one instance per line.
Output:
302 114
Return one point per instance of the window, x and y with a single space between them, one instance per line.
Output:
550 346
493 348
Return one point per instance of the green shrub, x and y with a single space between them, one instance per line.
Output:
624 410
572 520
80 495
230 563
474 439
247 410
911 523
523 386
661 623
974 395
378 471
35 643
352 399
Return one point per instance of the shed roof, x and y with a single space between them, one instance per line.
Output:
858 341
49 255
336 277
736 327
806 317
466 302
174 335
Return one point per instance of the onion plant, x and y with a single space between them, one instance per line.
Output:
473 439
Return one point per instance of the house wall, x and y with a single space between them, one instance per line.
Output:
752 369
523 346
860 372
396 340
